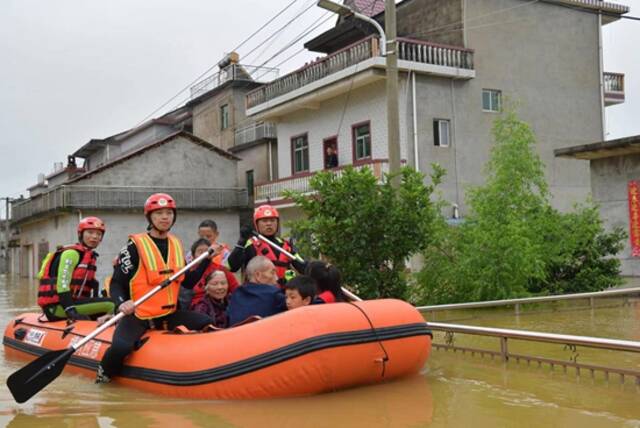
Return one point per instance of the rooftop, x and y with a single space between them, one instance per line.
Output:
603 149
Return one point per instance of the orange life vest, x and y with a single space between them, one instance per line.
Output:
282 262
83 279
152 270
220 258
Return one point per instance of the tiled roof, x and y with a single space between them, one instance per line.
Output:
366 7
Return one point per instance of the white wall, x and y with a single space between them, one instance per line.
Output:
363 104
61 230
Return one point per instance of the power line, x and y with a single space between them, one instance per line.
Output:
299 37
474 18
280 29
309 29
213 66
264 25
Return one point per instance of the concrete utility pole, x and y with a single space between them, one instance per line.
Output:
5 237
393 115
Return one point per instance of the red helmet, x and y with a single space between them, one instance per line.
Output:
157 201
91 223
264 211
88 223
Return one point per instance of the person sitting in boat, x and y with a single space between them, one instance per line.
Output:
258 297
266 220
190 297
145 262
329 282
214 302
300 291
208 266
68 287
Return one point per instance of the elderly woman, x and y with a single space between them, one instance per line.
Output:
214 303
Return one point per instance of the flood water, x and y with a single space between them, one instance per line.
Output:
452 389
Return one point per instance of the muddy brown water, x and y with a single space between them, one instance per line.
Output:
451 390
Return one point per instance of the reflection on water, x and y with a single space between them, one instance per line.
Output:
452 390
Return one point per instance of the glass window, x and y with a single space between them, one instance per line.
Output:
362 141
224 116
441 132
491 100
300 149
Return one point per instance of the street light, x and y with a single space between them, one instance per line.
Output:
345 11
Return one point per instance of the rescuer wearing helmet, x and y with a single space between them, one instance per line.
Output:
68 287
266 221
145 262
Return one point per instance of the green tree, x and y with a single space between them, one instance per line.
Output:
513 242
366 227
578 253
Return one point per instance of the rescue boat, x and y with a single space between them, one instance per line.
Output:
310 350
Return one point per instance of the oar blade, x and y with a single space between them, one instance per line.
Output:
33 377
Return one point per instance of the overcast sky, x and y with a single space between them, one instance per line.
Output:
72 70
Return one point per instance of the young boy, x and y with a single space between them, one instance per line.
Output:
208 230
300 291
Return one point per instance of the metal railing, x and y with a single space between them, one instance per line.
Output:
233 72
301 183
255 132
568 341
130 197
409 49
522 301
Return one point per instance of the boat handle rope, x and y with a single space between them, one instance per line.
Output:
375 332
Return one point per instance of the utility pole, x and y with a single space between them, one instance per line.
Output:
5 237
393 115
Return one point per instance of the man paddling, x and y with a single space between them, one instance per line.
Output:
266 220
68 288
146 261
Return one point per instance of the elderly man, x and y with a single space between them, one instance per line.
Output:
260 295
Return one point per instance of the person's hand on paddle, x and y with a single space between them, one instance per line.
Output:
218 249
246 232
127 307
103 319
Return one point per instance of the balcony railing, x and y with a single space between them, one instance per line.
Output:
409 50
613 88
114 198
233 72
273 190
255 132
434 53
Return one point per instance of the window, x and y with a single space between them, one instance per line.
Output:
224 116
441 132
361 141
300 154
330 152
491 100
250 183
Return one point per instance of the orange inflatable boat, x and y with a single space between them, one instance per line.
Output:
310 350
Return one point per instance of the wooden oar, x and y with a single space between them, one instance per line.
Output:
30 379
297 257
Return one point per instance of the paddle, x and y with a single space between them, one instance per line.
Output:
297 257
33 377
